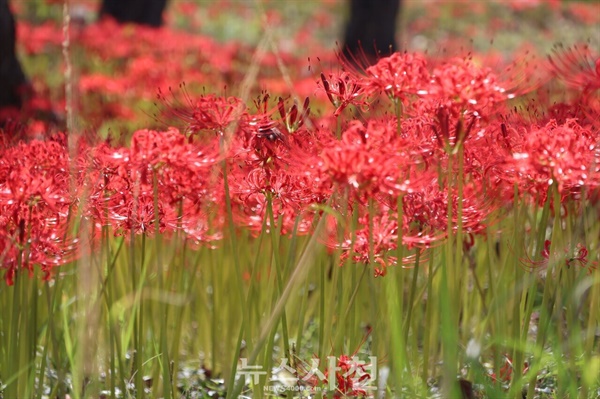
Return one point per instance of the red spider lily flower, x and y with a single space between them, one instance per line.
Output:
450 137
290 195
385 240
460 86
35 39
124 181
565 154
34 204
216 113
343 90
399 75
292 120
352 377
366 159
107 181
546 251
505 374
426 212
266 139
580 256
262 171
345 376
210 113
577 66
530 264
267 146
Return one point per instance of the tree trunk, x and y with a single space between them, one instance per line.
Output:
143 12
12 78
371 29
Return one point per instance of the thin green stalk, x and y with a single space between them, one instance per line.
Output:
355 283
548 299
449 292
350 303
70 348
255 292
53 339
322 340
213 306
163 308
299 273
517 337
12 389
397 310
458 260
238 280
31 335
274 233
590 378
431 337
139 317
411 300
399 360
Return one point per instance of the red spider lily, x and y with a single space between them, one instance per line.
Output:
266 140
34 204
577 66
262 172
565 154
123 184
264 145
399 75
290 118
385 239
345 376
426 212
375 241
36 39
579 256
182 172
524 74
352 377
215 114
505 374
449 137
343 90
290 196
531 264
460 86
365 159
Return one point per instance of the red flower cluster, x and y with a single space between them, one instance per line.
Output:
449 162
577 256
506 371
352 377
35 202
565 154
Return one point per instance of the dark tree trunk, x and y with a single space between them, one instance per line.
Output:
371 29
144 12
12 78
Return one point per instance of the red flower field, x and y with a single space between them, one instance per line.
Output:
168 196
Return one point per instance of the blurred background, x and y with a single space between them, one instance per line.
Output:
210 45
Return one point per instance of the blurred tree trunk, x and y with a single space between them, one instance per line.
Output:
371 29
12 78
144 12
